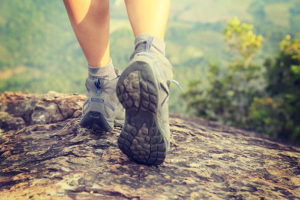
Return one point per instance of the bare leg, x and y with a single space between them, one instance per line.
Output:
143 87
90 22
148 16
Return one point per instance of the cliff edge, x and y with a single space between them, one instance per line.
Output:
45 154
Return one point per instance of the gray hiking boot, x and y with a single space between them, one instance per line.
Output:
102 110
143 90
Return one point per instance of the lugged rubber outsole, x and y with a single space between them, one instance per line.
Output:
141 138
95 120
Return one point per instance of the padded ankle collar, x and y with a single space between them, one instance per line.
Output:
144 42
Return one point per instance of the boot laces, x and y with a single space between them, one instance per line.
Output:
177 84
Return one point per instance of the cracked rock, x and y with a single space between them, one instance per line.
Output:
45 154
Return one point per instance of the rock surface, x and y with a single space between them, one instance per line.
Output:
44 154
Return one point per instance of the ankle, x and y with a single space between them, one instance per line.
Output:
106 71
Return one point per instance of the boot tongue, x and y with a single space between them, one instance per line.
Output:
145 42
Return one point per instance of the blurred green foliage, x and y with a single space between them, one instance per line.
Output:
263 98
230 92
277 114
242 40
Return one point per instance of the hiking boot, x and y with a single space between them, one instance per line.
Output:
102 110
143 90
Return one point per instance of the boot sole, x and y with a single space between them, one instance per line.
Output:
95 120
141 138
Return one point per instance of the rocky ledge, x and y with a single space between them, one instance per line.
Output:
45 154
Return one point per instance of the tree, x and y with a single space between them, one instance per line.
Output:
241 38
229 94
278 114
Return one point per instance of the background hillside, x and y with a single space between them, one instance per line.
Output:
38 51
